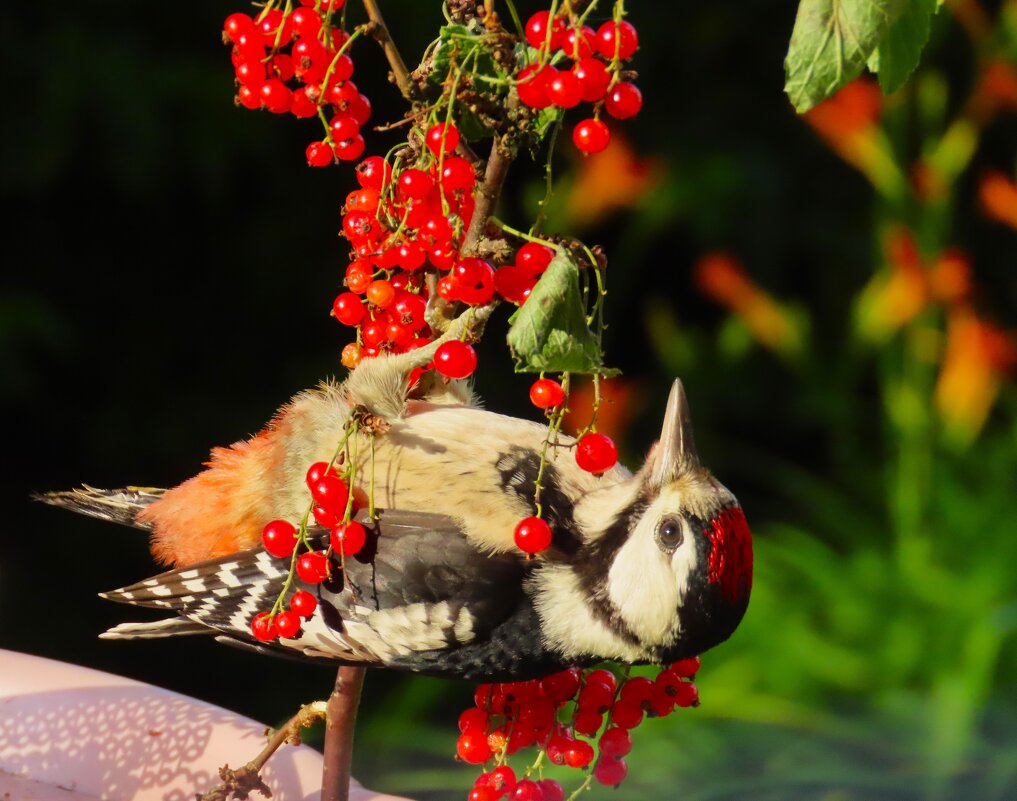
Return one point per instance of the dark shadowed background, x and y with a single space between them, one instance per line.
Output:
170 262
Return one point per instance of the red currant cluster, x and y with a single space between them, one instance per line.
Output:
406 220
332 504
295 61
575 718
594 77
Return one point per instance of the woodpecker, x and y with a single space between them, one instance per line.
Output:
648 567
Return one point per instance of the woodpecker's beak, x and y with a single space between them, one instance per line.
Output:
675 454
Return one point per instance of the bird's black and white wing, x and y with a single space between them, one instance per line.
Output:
419 597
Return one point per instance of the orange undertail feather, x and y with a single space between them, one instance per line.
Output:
221 510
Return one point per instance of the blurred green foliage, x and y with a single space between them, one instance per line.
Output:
170 264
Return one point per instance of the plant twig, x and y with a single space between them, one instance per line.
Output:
241 782
395 60
340 720
487 196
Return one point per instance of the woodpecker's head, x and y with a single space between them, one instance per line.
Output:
669 573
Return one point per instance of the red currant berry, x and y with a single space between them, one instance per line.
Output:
303 603
615 742
312 568
326 518
359 276
279 538
534 258
638 691
624 101
249 97
457 173
687 668
303 107
475 280
237 24
596 697
482 793
579 43
276 96
617 39
474 720
315 472
350 358
552 790
579 754
330 492
533 535
473 748
343 127
532 86
538 34
350 149
250 72
603 676
546 393
263 627
381 293
610 772
455 359
594 78
448 288
596 453
502 780
626 714
687 695
442 138
374 334
513 284
587 722
348 309
561 687
349 538
564 89
305 22
287 624
591 136
373 173
414 184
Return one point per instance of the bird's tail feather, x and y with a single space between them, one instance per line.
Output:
155 629
116 505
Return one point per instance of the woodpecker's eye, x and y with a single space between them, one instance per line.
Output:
669 534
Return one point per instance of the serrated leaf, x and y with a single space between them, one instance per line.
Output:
549 331
830 43
901 47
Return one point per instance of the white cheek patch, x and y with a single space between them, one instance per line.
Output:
644 588
684 561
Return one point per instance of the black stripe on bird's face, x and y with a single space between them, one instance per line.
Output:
594 564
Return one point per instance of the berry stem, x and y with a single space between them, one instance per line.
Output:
553 429
582 787
548 176
395 60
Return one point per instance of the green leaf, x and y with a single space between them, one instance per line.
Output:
830 43
549 331
901 47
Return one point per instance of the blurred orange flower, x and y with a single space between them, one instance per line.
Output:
895 297
613 179
978 355
997 88
721 278
998 195
617 410
849 123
